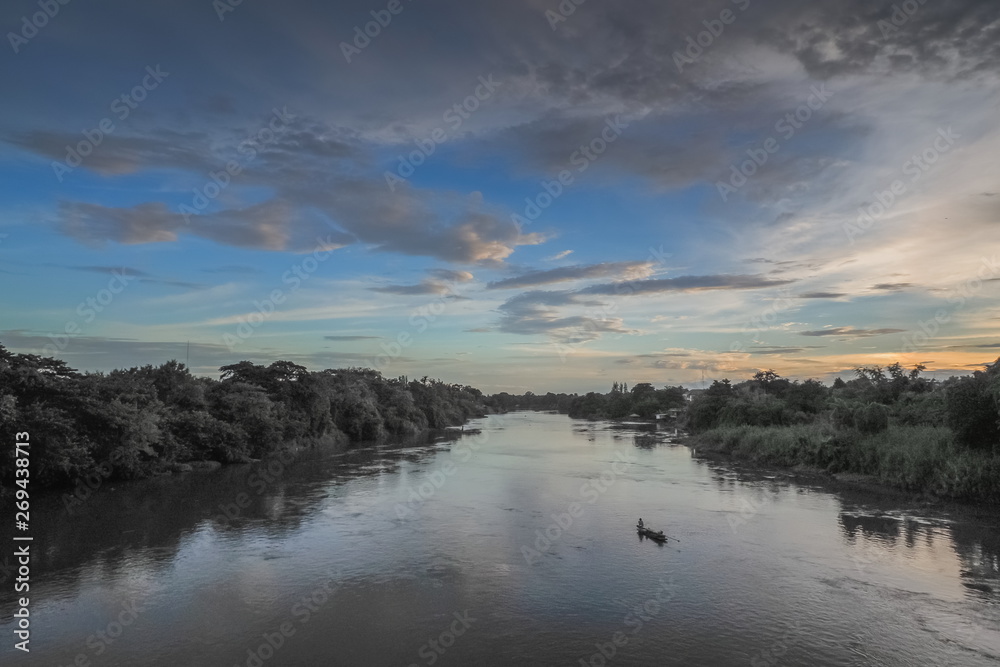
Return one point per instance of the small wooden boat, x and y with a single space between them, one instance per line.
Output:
657 536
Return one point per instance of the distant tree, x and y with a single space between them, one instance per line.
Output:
643 390
671 397
810 396
705 411
765 377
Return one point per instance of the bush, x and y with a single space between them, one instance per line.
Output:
971 408
761 410
921 409
842 414
810 444
871 418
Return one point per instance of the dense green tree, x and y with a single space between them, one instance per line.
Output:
971 405
140 421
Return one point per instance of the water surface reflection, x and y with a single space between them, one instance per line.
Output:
369 554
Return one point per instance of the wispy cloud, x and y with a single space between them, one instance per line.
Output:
773 349
621 270
123 270
350 338
537 312
850 332
686 284
821 295
233 269
428 287
441 281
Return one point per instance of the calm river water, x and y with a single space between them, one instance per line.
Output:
516 546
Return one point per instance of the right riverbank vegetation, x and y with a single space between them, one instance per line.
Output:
888 425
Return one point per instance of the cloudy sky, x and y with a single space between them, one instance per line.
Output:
516 195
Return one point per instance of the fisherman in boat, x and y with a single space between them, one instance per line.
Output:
640 523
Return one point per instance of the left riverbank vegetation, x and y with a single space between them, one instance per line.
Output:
891 425
145 421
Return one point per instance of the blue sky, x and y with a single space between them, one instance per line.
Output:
812 188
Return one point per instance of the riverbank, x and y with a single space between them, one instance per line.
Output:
918 460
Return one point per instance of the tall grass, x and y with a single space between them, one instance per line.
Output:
914 458
809 444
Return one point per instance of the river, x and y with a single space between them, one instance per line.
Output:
513 546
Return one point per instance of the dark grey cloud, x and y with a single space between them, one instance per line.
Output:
629 67
287 138
421 223
653 147
272 225
850 332
556 96
863 35
891 287
123 154
828 39
324 183
568 273
629 54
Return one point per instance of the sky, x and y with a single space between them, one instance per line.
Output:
518 195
